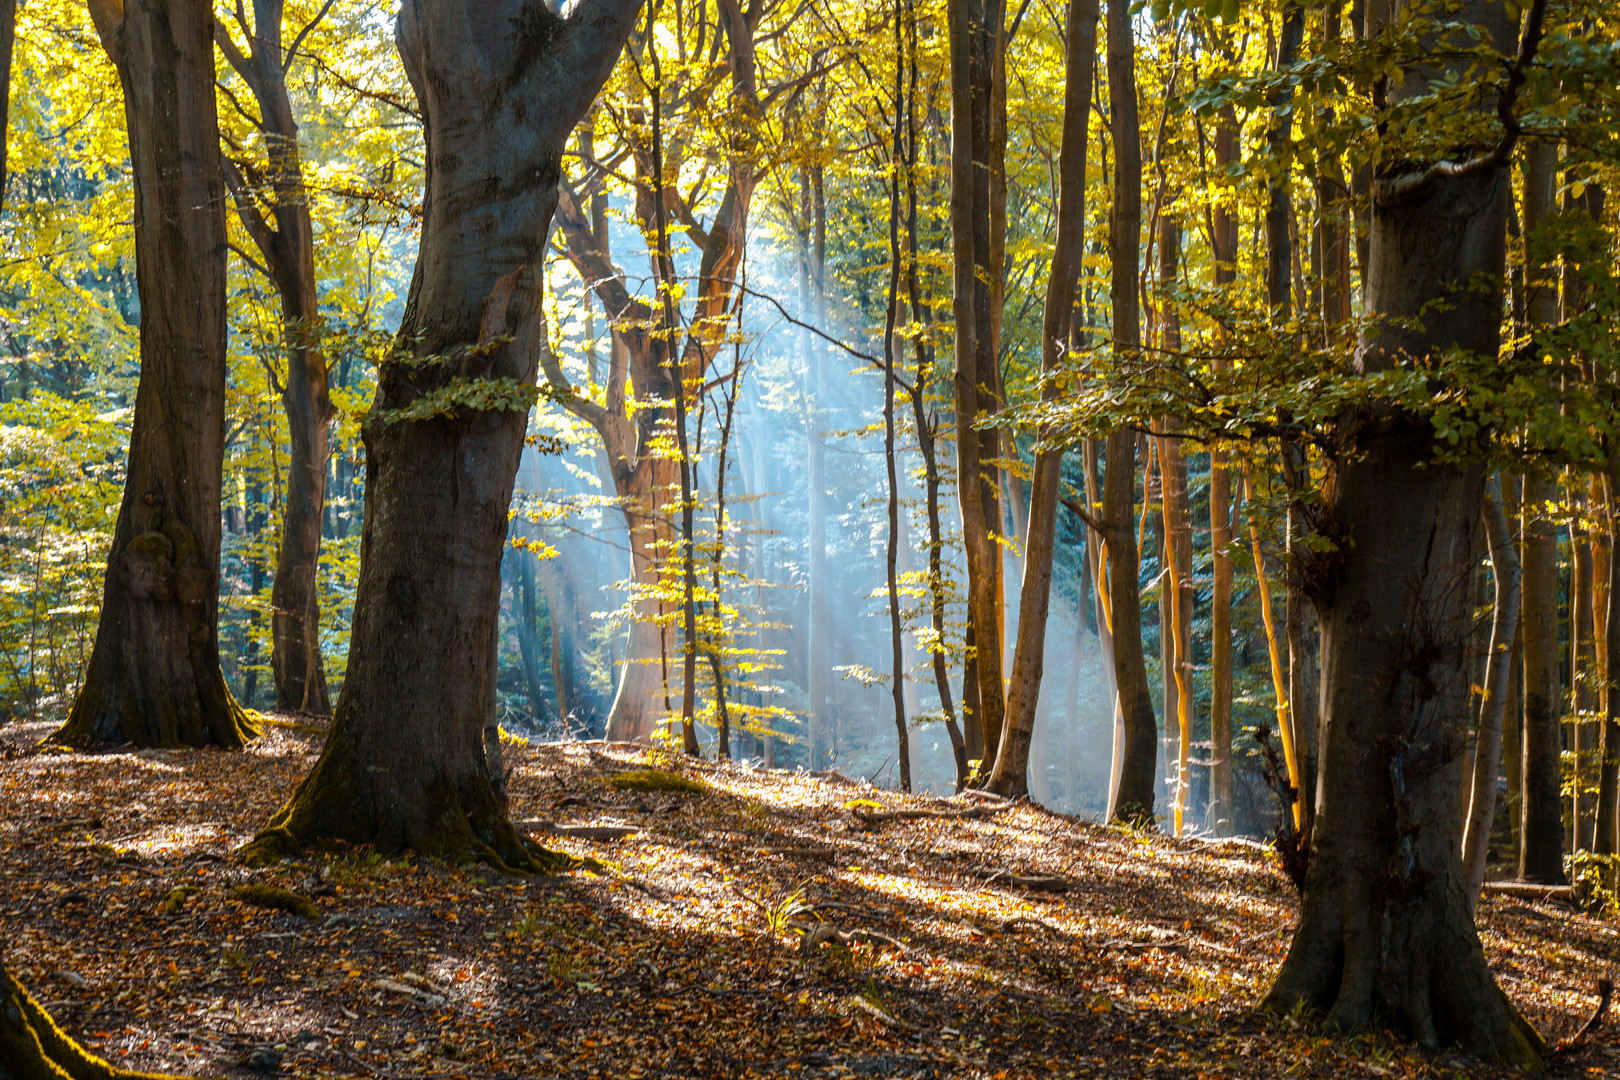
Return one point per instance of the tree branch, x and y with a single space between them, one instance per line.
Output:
1415 186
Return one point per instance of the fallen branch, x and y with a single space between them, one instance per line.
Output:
1145 946
827 933
415 993
1035 882
869 820
872 1010
596 833
1027 920
1605 992
1528 890
823 851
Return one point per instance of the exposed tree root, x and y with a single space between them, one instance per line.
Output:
33 1047
1605 993
440 818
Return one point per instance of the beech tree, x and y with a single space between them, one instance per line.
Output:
1394 598
501 87
154 676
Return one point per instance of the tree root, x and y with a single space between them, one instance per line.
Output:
33 1047
1605 992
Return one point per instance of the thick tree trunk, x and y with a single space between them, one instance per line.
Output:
288 247
33 1047
154 677
1385 929
501 86
1012 759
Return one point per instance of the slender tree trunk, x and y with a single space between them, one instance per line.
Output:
1493 703
8 38
1133 798
815 379
1541 853
1606 842
1012 759
286 240
1224 238
975 40
892 357
523 594
1581 671
154 676
926 423
501 86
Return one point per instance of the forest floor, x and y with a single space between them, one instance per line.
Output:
683 955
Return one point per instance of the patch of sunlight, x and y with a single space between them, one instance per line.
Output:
174 839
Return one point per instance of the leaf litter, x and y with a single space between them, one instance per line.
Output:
740 923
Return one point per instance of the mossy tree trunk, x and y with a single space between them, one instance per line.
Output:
33 1047
154 677
501 86
1385 926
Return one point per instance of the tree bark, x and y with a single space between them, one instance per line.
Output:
501 86
1385 930
1608 811
154 677
288 247
1133 797
1224 240
1493 705
1541 850
8 39
975 42
1010 776
33 1047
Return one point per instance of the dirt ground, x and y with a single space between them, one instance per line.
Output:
1013 942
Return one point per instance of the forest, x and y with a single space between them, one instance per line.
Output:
822 538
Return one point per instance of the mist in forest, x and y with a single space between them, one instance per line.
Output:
564 610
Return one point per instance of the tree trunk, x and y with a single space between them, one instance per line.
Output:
1541 850
926 425
33 1047
1506 571
1608 812
501 87
1133 798
892 357
1224 238
8 38
528 645
1385 931
975 41
1012 759
154 677
288 247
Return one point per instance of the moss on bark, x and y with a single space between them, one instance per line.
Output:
439 817
33 1047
